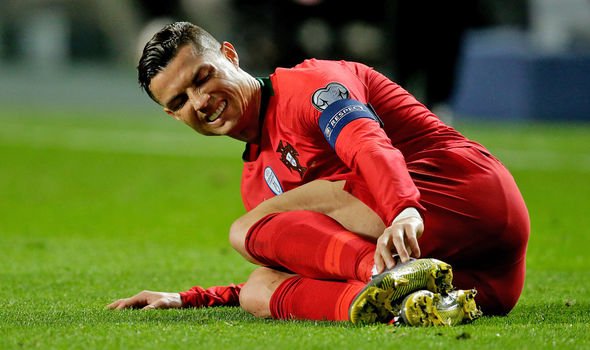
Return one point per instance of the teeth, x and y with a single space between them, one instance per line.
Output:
217 112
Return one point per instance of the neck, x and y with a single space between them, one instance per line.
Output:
250 132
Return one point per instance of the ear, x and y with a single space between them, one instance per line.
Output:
228 50
171 113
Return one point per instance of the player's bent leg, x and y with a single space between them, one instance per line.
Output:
320 196
271 293
311 245
256 293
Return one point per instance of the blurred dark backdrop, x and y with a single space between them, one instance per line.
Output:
420 44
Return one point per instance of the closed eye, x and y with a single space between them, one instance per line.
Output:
201 77
178 102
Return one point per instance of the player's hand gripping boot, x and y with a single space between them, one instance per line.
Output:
380 300
425 308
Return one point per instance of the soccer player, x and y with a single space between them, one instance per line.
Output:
342 169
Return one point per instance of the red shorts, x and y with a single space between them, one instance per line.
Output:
475 219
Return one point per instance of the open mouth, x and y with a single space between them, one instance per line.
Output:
213 117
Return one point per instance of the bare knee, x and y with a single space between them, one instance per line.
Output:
240 228
256 293
237 235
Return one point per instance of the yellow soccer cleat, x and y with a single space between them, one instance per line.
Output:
380 300
425 308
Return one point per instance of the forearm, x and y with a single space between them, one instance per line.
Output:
364 147
326 197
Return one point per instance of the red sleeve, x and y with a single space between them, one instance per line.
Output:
214 296
365 148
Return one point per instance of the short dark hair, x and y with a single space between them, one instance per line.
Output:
164 45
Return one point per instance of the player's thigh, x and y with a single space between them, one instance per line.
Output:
474 210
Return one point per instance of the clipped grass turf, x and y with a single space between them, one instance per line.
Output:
96 208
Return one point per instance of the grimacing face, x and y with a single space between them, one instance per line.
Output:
209 93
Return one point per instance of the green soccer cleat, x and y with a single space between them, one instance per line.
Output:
425 308
380 300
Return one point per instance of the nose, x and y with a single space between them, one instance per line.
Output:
197 99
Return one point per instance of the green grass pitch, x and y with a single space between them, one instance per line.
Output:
97 208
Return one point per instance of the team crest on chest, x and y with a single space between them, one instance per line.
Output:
289 157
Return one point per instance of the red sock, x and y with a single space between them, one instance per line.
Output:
311 245
308 299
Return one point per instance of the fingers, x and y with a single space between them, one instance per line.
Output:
416 231
138 300
119 304
400 238
379 263
383 256
399 242
413 247
113 305
148 300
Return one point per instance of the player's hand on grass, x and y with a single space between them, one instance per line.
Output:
148 300
400 237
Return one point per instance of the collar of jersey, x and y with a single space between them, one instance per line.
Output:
267 92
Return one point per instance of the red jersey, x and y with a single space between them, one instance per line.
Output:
319 124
